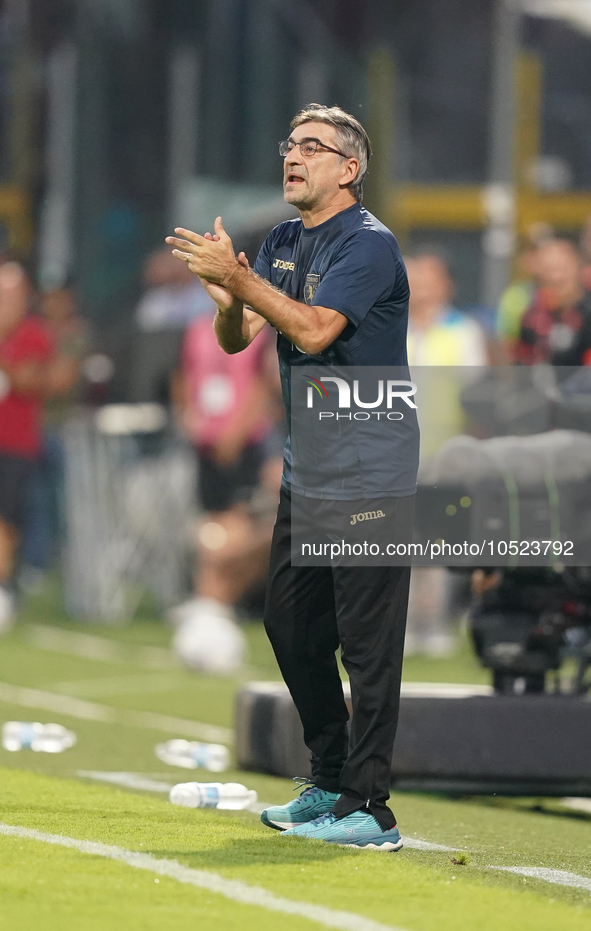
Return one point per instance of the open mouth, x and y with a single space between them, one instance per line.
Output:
294 179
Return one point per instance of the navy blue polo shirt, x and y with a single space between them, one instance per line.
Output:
350 263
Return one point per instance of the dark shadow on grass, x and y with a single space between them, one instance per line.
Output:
559 812
527 805
252 851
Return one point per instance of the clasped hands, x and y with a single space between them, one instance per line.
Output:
210 257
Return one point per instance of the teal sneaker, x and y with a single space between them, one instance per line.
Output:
357 830
310 804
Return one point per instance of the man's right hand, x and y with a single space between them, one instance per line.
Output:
235 325
224 299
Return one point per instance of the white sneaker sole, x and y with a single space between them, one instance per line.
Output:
387 846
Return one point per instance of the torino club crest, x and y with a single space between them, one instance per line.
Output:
310 288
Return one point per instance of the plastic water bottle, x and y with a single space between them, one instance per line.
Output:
191 755
230 795
31 735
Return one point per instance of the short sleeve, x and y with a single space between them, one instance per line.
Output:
35 343
514 302
262 265
364 271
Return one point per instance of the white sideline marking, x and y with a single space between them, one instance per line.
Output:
91 711
101 649
559 877
164 722
122 685
127 780
257 808
230 888
145 783
417 844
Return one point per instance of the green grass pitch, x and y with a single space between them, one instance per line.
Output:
45 887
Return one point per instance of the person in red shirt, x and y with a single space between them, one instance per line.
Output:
25 352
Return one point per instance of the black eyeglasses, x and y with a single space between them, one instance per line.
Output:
308 147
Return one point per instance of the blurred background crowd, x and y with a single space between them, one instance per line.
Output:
134 455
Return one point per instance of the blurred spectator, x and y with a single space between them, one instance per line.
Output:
556 328
518 296
72 344
25 353
439 335
585 245
72 341
224 405
174 297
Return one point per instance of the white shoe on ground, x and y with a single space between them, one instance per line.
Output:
207 638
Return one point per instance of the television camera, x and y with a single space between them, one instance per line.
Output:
526 621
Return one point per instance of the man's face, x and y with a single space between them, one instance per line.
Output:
309 182
559 267
429 281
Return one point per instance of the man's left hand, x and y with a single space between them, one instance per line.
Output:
211 259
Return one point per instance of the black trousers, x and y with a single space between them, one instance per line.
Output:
309 612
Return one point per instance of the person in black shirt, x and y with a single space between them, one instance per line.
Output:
334 286
556 328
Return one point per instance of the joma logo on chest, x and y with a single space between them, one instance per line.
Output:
286 266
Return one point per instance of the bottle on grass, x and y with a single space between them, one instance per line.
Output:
193 755
230 795
32 735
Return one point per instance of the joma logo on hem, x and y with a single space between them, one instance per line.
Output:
394 389
366 515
